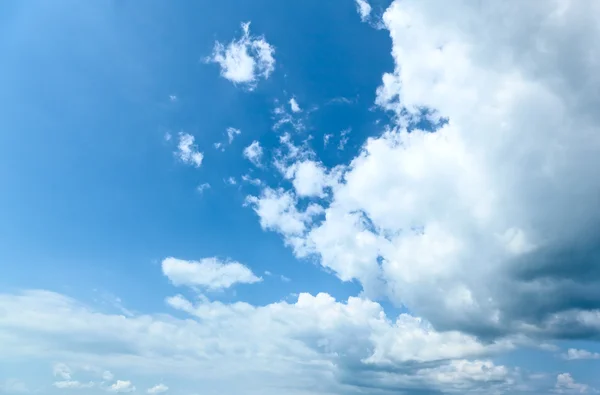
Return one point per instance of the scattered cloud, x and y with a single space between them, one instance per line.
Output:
326 139
254 181
173 98
231 181
285 279
122 386
246 60
344 139
187 151
294 105
254 153
107 376
210 273
231 133
158 389
573 354
364 9
565 384
72 384
168 136
202 187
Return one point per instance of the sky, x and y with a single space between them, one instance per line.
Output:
303 197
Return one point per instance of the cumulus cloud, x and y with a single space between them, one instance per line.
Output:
245 60
294 105
158 389
364 9
122 386
573 354
254 153
565 384
187 150
231 133
502 196
210 273
314 343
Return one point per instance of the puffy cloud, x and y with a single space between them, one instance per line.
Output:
187 151
565 384
313 344
122 386
364 9
294 105
254 153
246 60
210 273
158 389
573 354
502 196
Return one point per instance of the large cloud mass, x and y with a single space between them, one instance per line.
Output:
489 225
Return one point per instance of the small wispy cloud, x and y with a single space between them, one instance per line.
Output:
158 389
254 153
344 139
231 133
202 187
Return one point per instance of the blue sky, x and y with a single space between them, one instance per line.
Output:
340 197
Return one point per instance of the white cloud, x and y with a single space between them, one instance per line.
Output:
61 370
254 181
231 133
122 386
285 279
187 151
72 384
246 60
326 139
254 153
309 178
231 181
343 139
573 354
294 105
158 389
565 384
444 223
203 187
364 9
210 273
313 343
172 98
107 376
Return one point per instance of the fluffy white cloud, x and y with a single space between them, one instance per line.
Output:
122 386
187 151
246 60
254 153
565 384
573 354
313 344
210 273
158 389
364 9
294 105
502 196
